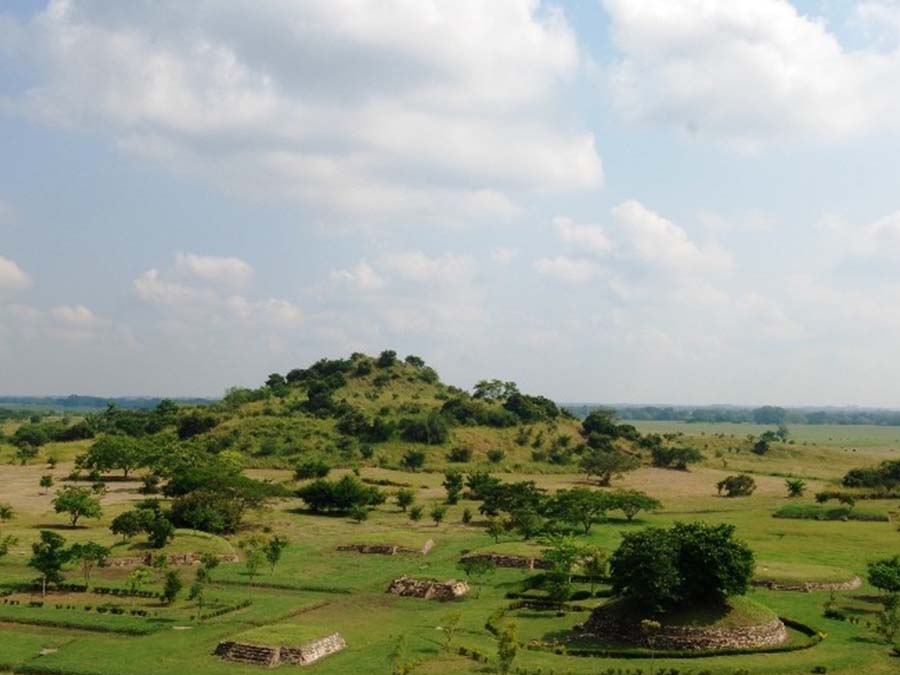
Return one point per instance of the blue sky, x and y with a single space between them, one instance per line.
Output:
616 200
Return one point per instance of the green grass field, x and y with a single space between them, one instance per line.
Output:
316 590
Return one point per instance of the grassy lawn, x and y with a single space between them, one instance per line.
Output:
300 599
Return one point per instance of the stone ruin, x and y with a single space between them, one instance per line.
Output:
171 559
601 625
809 586
270 656
428 589
516 561
387 549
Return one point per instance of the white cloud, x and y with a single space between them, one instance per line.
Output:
588 238
11 276
361 276
418 267
73 314
748 72
220 270
503 255
646 236
362 110
568 270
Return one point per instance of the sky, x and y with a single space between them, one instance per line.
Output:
618 201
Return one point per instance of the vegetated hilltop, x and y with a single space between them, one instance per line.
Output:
389 411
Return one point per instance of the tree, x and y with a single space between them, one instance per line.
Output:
632 502
90 555
171 586
386 359
579 506
884 575
49 554
415 513
197 590
449 624
477 569
78 503
659 569
438 512
114 452
46 482
136 580
605 464
594 564
761 447
795 486
254 549
341 496
674 458
736 486
495 529
274 548
563 554
507 646
405 498
413 460
769 415
6 512
453 484
128 523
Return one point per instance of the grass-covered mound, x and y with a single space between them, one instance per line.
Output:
819 512
289 634
732 624
791 573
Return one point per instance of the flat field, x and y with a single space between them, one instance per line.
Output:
316 590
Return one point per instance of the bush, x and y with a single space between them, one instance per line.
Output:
675 458
460 455
816 512
314 468
496 456
341 496
736 486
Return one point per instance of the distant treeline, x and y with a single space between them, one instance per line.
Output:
88 403
763 415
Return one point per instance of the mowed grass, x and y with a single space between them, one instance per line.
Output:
316 590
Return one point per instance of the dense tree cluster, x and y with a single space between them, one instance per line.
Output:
659 569
885 475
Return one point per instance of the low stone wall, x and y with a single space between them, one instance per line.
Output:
386 549
171 559
313 651
269 656
809 586
769 634
520 562
428 589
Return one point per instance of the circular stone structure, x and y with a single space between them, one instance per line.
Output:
785 576
737 624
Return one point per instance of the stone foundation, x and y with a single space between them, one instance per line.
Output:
809 586
520 562
171 559
769 634
270 656
387 549
428 589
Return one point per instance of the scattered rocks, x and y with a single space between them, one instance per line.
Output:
171 559
387 549
269 656
428 589
809 586
520 562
